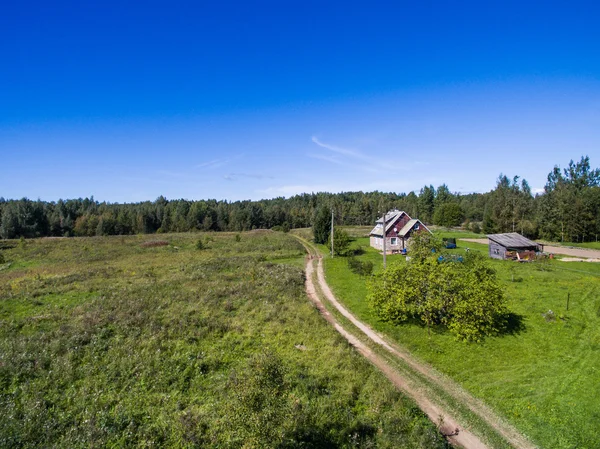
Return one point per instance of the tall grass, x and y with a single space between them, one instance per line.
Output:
110 342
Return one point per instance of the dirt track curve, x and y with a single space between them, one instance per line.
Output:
457 433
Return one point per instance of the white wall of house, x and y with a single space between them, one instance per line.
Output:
391 243
376 242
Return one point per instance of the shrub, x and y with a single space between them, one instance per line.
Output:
359 267
285 227
199 244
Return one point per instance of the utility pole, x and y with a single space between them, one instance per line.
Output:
384 238
332 232
513 215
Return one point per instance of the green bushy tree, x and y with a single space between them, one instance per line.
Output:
321 225
448 215
341 241
463 297
9 229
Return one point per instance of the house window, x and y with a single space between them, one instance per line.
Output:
394 240
496 251
417 227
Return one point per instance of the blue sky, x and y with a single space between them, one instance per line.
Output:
127 101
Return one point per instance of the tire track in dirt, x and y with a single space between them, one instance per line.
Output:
464 437
456 434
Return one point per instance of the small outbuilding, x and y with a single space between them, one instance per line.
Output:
512 246
398 229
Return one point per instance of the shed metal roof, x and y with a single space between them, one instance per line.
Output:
512 240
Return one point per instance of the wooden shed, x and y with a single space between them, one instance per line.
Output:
512 246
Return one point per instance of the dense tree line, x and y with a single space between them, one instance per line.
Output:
567 210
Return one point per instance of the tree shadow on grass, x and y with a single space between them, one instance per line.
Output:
508 324
321 437
355 251
512 324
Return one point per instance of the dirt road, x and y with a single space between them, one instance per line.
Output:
463 438
457 433
575 252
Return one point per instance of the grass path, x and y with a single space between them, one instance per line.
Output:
452 427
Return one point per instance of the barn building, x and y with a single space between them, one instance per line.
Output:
398 229
512 246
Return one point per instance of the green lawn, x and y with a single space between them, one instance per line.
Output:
106 343
543 375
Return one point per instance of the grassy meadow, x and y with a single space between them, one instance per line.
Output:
542 373
158 341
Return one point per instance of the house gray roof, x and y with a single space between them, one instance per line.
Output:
391 217
512 240
408 226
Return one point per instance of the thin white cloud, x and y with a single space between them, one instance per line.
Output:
172 173
356 159
235 176
340 150
323 157
216 163
213 164
250 175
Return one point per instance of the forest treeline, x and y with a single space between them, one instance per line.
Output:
567 210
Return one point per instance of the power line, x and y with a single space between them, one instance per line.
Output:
384 238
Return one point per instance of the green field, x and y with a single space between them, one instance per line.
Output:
542 373
105 342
